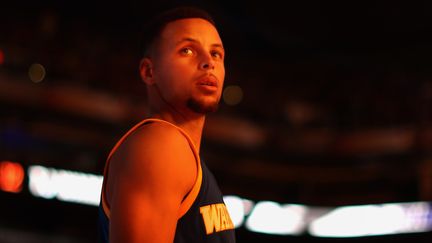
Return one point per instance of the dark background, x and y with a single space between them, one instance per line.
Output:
336 108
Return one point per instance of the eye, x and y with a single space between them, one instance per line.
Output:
217 54
186 51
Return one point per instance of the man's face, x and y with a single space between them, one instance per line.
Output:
188 65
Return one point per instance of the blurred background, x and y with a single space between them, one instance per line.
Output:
327 104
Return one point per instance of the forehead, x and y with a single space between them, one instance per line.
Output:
196 28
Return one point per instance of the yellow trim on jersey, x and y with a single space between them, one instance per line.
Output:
191 196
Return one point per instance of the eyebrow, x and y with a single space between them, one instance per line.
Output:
188 39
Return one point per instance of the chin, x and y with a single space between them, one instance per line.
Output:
202 107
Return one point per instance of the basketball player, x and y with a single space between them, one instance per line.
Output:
155 187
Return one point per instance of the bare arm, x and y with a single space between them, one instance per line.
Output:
149 177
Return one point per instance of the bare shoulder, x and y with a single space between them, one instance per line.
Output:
158 143
158 139
150 172
153 153
162 132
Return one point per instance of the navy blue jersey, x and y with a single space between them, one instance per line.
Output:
202 217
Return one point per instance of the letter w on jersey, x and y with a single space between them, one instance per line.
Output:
216 218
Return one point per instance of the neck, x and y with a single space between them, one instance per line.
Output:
191 122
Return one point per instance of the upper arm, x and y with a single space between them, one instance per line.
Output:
151 174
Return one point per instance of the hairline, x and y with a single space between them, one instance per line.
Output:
149 51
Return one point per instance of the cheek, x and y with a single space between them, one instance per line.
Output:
221 74
168 72
181 68
173 78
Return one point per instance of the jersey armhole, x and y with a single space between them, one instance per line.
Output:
193 194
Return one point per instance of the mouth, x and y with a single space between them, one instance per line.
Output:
208 81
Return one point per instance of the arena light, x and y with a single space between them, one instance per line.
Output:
263 217
2 57
64 185
273 218
369 220
11 176
238 208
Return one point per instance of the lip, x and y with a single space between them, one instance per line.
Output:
208 83
208 80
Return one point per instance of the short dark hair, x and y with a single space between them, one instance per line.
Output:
153 28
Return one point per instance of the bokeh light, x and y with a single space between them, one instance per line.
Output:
11 176
2 57
36 73
233 95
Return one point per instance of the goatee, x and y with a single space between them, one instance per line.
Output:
201 107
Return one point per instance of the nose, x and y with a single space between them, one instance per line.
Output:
207 63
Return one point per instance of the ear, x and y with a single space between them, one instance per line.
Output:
146 70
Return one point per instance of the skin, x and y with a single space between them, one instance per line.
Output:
146 184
